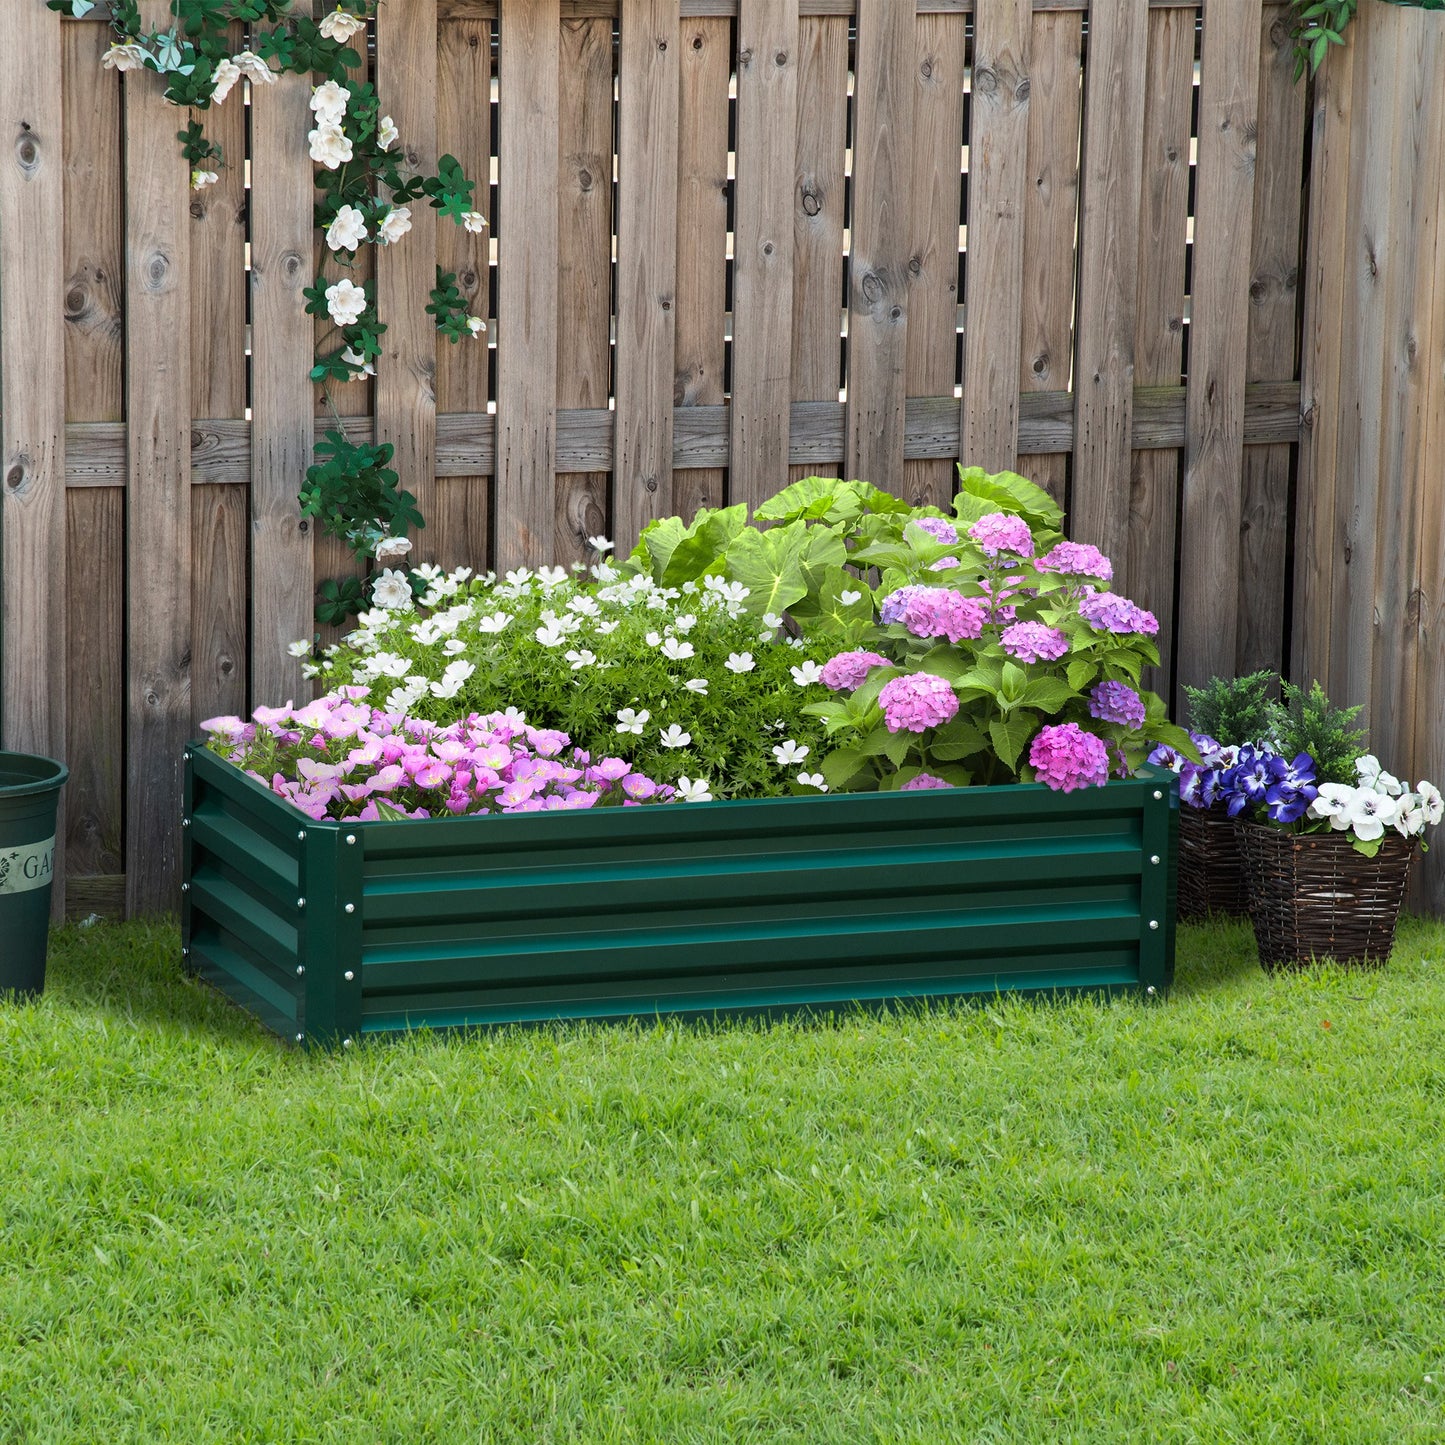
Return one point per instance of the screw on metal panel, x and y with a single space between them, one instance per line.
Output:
185 953
346 1043
185 822
1157 793
185 887
351 837
351 908
301 903
1154 858
348 975
1153 923
301 836
300 1038
1150 990
300 969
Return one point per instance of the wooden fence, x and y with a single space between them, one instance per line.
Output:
732 241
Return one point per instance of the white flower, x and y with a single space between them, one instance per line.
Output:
673 736
684 622
301 648
653 639
359 365
1431 803
771 619
389 664
788 752
610 626
677 651
796 643
740 662
392 591
401 699
849 598
474 221
453 647
223 80
600 544
494 622
694 790
341 25
629 721
329 103
345 300
393 225
807 674
1368 769
579 660
696 684
428 571
813 780
386 132
1388 784
514 717
330 145
347 231
550 634
123 56
551 577
453 678
519 577
389 549
604 572
201 179
1409 816
724 590
583 607
1369 814
254 68
476 325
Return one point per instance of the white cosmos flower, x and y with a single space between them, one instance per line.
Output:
254 68
345 301
300 648
849 598
386 132
340 25
788 752
453 678
392 591
330 145
125 55
474 221
673 736
696 684
1369 814
814 780
630 721
600 543
347 231
223 80
329 103
740 662
201 179
806 675
579 660
359 365
391 549
609 626
393 225
677 651
694 790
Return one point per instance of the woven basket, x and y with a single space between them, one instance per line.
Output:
1211 876
1311 895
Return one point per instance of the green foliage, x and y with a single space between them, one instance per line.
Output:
337 599
1233 710
1316 25
1307 722
351 480
449 307
197 149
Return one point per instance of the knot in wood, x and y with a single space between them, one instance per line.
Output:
1022 90
197 209
156 271
1258 289
896 314
651 484
811 202
27 152
915 266
745 58
872 287
1279 34
697 42
1041 364
293 266
584 179
985 80
780 59
1171 154
926 69
767 248
15 477
77 301
661 47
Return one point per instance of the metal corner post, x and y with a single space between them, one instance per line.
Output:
1159 884
330 934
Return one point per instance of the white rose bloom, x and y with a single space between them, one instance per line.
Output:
345 301
393 225
347 231
476 325
330 146
254 68
341 25
389 549
673 736
201 179
690 790
329 103
386 132
392 591
474 221
359 365
227 73
124 55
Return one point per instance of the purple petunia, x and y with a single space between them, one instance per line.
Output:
1077 559
917 702
1034 642
1065 757
1116 702
847 670
999 532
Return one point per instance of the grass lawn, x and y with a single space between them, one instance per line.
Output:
1218 1218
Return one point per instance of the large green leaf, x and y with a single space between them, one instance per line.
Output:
957 738
1009 492
1010 735
656 545
766 563
701 546
1048 694
841 766
807 498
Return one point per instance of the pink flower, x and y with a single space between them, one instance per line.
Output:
847 670
917 702
1064 757
922 783
1108 612
1077 559
939 529
1033 642
942 612
999 532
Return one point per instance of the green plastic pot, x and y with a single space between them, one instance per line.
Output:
29 791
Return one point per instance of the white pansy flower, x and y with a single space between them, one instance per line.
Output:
1431 802
474 221
392 591
345 301
347 231
359 365
223 80
740 662
673 736
696 684
600 544
386 132
393 225
330 146
789 752
390 549
124 55
849 598
1409 816
201 179
300 648
632 721
677 651
329 103
807 674
476 325
254 68
453 679
1332 802
340 25
1367 768
1369 814
579 660
1389 784
694 790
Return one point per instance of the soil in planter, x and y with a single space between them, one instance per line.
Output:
1211 873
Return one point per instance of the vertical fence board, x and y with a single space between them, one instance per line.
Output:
763 249
1051 217
818 211
1273 315
1159 319
997 182
1108 269
94 391
878 263
646 263
32 393
584 266
158 510
406 73
931 360
1218 340
527 302
700 358
464 83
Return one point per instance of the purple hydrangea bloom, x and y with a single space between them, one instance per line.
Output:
1077 559
999 532
942 612
917 702
1033 642
896 602
1064 757
847 670
922 783
938 529
1108 612
1116 702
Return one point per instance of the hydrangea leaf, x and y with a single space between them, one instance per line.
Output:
957 738
1011 735
841 766
1007 492
1049 694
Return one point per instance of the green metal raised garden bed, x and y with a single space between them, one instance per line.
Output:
329 931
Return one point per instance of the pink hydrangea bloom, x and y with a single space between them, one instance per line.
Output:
1108 612
938 529
999 532
847 670
917 702
1033 642
1065 757
1077 559
922 783
942 612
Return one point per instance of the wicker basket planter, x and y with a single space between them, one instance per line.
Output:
1211 875
1311 895
327 931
